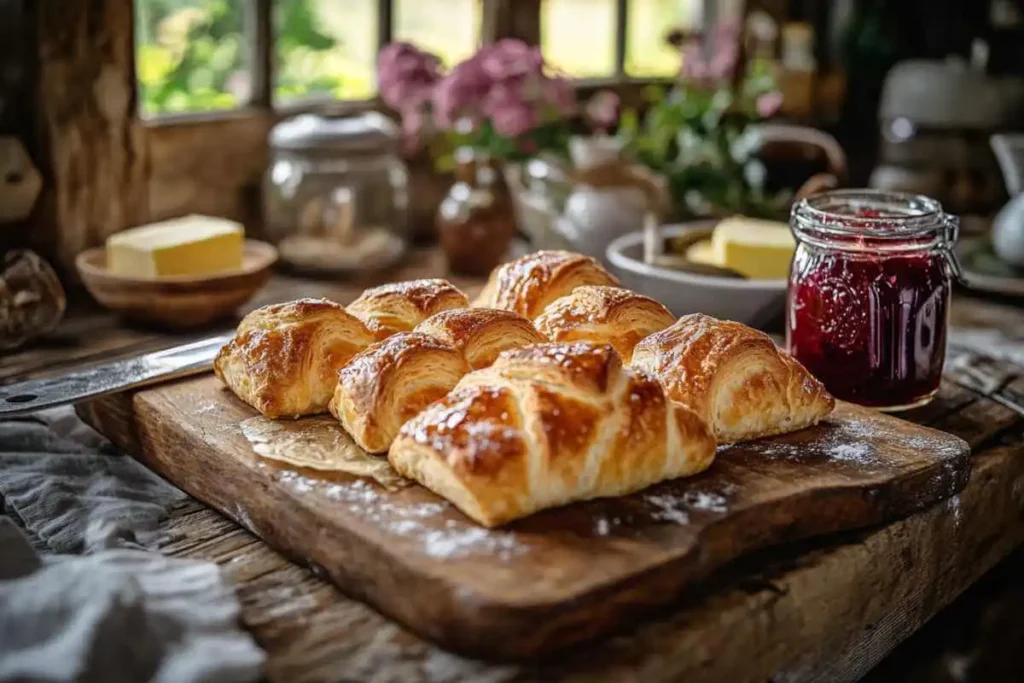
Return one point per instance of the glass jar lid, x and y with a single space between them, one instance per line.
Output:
368 132
875 221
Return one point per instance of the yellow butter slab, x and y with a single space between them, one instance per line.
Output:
190 245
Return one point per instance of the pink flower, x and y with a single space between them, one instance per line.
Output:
510 58
560 96
603 109
513 120
723 61
768 103
458 95
694 68
407 75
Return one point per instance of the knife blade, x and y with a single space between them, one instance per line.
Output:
109 378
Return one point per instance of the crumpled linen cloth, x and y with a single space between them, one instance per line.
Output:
83 597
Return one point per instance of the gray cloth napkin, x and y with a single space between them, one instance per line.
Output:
117 613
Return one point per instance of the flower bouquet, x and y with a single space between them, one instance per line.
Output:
503 102
699 133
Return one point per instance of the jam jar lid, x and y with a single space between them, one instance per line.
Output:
876 218
368 132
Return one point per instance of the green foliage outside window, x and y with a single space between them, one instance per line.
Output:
192 55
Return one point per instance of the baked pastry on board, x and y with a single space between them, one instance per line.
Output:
392 380
547 425
603 315
284 358
734 377
530 283
401 306
481 333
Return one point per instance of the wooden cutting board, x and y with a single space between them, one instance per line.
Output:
561 576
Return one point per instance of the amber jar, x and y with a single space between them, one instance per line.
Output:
475 223
869 294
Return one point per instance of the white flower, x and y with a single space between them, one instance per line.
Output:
754 173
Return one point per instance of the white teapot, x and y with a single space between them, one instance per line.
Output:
1008 225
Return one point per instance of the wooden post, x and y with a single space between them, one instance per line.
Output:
94 155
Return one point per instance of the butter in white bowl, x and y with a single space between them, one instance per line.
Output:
757 249
187 246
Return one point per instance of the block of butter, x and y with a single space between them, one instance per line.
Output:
190 245
758 249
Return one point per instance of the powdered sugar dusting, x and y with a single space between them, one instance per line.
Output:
667 508
420 521
677 507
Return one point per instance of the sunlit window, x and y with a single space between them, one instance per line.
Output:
578 36
191 55
648 24
325 49
448 28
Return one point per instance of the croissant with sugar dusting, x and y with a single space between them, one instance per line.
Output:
284 358
603 315
401 306
734 377
547 425
530 283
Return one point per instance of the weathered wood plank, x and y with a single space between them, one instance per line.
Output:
96 166
844 604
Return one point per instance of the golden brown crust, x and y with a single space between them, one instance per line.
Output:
603 315
734 377
401 306
530 283
481 333
284 358
392 380
548 425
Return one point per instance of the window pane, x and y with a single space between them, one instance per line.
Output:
448 28
191 55
325 49
647 53
578 36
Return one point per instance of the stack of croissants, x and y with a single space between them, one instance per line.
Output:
556 385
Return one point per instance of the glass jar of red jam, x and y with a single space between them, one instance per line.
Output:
869 294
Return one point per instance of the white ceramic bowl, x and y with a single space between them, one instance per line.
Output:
751 302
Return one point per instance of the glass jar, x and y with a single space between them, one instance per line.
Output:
869 292
336 193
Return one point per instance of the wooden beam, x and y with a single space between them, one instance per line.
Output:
95 159
511 19
259 30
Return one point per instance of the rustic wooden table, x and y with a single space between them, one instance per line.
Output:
827 610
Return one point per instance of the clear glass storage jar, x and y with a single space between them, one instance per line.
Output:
336 192
869 293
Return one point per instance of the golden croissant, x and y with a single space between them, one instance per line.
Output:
401 306
530 283
392 380
734 377
546 425
603 315
481 333
284 358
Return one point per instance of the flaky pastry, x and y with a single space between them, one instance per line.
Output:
530 283
546 425
284 358
734 377
481 333
603 315
401 306
392 380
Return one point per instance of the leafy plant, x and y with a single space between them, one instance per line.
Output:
698 133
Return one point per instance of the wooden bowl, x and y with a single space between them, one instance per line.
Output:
177 302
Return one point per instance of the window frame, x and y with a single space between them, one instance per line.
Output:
499 19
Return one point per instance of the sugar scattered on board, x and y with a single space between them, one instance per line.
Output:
412 520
